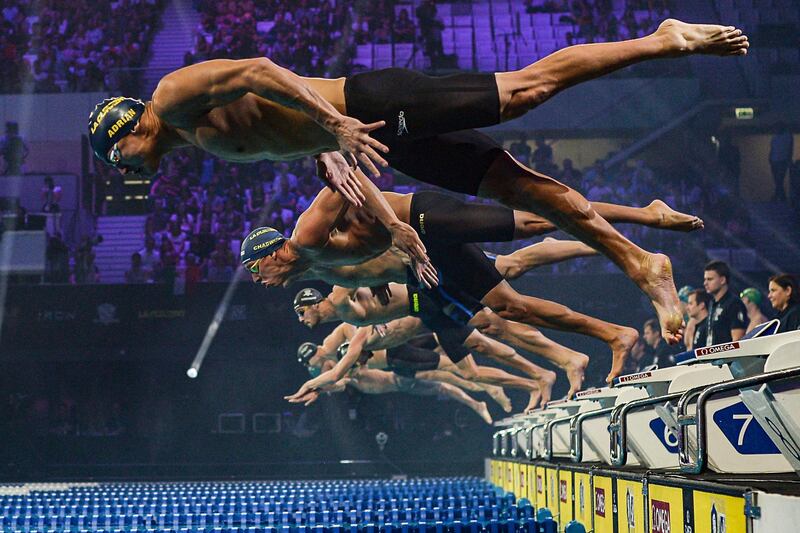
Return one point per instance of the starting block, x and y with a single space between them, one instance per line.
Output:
734 408
536 431
636 425
589 438
734 428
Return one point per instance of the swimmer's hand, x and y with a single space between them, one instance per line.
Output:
425 274
304 393
382 292
353 137
406 239
380 329
309 398
334 170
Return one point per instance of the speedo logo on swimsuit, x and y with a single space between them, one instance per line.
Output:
717 349
401 124
422 223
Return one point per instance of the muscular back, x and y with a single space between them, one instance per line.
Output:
332 232
210 106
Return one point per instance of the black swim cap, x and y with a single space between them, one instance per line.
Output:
306 297
261 242
305 352
363 357
111 120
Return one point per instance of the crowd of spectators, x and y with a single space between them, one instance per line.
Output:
202 207
302 34
634 183
596 20
313 37
84 45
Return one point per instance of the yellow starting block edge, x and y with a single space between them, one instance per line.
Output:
605 500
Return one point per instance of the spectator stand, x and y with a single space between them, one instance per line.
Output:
55 47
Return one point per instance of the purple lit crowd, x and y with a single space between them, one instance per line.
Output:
83 45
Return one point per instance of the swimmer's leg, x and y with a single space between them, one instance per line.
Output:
520 187
542 253
480 344
530 339
429 388
657 215
495 392
524 89
494 376
510 304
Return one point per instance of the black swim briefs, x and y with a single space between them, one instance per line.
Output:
407 360
428 123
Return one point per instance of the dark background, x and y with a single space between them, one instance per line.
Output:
93 384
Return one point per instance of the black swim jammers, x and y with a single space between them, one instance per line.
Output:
466 275
446 219
428 123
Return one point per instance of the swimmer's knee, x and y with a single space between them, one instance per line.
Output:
480 319
581 209
486 324
510 266
491 329
511 308
467 371
528 87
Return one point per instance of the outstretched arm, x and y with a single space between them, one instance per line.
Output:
333 375
194 90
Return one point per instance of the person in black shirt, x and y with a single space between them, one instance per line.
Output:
697 307
659 352
727 315
785 299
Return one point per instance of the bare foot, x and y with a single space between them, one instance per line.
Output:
668 218
534 401
546 381
655 279
499 395
483 412
621 347
575 369
681 38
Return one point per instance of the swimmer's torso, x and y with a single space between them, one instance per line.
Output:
362 308
253 128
